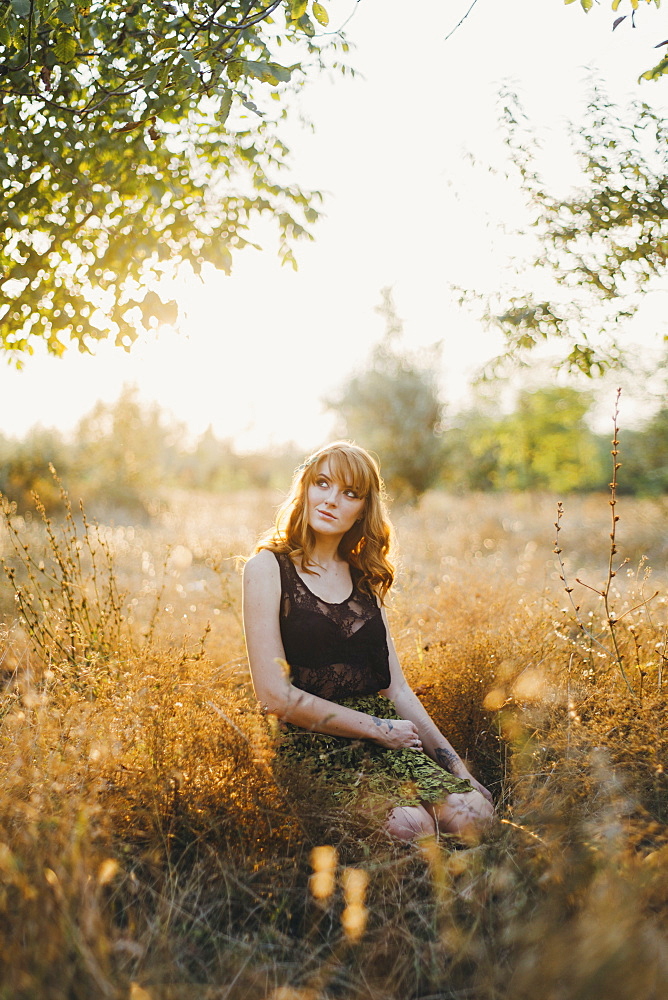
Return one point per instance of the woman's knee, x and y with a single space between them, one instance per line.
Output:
466 814
409 822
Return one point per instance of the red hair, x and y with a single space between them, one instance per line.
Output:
367 544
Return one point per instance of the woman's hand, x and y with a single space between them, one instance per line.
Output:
397 734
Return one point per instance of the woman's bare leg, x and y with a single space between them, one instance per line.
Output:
409 822
464 814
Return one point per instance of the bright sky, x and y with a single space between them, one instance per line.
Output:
259 351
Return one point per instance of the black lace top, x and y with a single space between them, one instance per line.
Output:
335 651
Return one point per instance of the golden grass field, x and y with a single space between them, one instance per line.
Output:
147 851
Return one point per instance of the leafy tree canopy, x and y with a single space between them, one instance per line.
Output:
643 456
544 443
662 66
137 136
600 248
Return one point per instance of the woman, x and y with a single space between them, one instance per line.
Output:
322 659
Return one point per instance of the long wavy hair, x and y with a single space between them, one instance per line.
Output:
367 545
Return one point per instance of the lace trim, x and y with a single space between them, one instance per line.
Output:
348 616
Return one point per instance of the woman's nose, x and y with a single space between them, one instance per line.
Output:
333 494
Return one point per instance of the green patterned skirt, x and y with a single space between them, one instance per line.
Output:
361 771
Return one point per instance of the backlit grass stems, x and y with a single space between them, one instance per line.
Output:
147 851
66 595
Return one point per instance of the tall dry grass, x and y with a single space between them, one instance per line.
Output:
147 851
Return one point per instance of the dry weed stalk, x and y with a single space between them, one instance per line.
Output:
612 619
70 605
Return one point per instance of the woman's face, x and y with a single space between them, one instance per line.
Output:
333 506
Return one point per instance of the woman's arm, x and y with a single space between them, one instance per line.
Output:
410 707
270 673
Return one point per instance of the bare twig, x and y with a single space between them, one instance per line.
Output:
459 24
603 592
607 586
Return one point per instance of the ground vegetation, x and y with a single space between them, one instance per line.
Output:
147 851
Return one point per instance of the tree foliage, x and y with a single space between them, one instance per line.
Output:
124 450
644 457
662 66
602 246
544 443
125 457
137 136
24 467
393 407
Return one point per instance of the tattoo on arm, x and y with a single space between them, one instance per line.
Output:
380 722
446 758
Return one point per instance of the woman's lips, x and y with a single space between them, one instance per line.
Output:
327 515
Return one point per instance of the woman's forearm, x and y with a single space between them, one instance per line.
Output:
434 743
318 715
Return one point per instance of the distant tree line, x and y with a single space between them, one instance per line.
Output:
545 443
128 455
393 406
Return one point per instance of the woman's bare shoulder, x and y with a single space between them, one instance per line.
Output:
262 565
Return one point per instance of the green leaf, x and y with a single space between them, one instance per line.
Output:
252 107
586 5
320 14
298 9
281 73
260 71
272 73
225 104
165 43
65 48
66 16
22 7
190 60
306 24
661 69
152 75
234 70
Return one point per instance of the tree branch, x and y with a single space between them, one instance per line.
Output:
451 33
